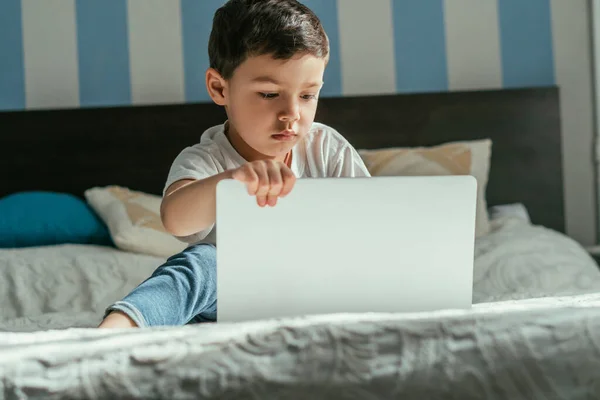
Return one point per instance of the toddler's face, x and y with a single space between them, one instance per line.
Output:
271 104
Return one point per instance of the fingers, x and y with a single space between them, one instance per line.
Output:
289 179
275 183
267 180
248 176
263 184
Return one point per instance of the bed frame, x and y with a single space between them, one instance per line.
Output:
72 150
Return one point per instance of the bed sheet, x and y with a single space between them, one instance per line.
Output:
67 278
518 260
42 286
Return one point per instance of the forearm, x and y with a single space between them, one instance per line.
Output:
191 208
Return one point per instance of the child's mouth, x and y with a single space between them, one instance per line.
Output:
284 136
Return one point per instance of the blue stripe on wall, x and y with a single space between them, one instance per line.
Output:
526 43
196 21
103 47
420 46
327 12
12 65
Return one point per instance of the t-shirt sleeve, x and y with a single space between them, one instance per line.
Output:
193 163
349 164
343 159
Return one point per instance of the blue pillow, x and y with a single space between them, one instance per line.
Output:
47 218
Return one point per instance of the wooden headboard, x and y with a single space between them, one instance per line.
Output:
74 149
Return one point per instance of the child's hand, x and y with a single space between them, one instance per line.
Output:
267 180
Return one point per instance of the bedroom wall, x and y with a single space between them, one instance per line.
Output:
75 53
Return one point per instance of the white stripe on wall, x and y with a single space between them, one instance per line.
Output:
367 47
50 54
155 49
473 44
571 36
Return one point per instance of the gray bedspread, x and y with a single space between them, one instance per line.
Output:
533 333
528 349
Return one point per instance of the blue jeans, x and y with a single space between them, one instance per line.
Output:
183 290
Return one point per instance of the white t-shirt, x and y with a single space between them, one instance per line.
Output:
322 153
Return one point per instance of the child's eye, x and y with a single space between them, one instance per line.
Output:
309 97
268 95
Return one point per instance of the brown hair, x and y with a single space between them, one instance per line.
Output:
281 28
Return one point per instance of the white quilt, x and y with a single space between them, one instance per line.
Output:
43 281
538 349
53 287
534 332
519 260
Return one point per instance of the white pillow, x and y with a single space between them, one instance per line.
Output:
133 219
515 210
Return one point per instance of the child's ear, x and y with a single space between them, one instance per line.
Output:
215 84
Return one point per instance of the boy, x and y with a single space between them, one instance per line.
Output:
267 59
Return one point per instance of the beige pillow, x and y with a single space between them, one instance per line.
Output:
133 219
455 158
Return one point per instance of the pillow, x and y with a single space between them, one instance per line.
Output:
515 210
47 218
133 219
455 158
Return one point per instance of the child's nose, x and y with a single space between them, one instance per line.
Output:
291 111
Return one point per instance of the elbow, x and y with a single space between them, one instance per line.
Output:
174 223
168 221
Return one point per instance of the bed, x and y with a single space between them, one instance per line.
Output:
532 332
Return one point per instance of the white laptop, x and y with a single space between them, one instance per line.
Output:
346 245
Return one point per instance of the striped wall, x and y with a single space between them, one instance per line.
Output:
85 53
71 53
